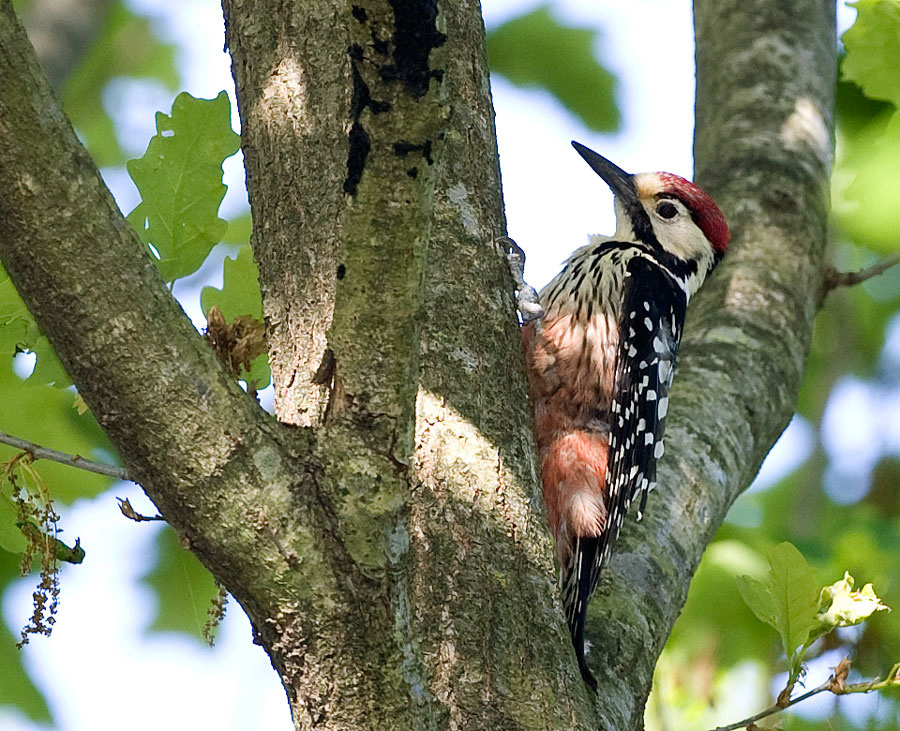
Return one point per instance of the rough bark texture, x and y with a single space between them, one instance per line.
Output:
229 478
387 538
763 150
375 235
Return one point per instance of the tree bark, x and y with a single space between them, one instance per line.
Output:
372 172
386 535
763 150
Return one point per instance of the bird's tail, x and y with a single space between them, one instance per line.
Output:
579 579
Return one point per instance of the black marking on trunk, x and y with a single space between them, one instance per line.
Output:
415 36
359 13
403 148
360 145
381 46
325 372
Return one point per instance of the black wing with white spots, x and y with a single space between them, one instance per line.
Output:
649 334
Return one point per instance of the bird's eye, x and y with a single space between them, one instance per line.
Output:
667 210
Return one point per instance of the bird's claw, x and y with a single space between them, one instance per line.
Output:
526 295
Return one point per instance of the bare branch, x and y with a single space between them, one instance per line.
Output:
835 684
834 279
773 709
72 460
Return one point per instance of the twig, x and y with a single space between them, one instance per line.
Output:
889 680
775 708
834 279
72 460
129 512
834 684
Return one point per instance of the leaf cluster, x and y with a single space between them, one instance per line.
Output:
788 600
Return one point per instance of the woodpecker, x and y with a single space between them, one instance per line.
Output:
600 363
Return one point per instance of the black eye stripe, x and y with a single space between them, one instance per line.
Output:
667 210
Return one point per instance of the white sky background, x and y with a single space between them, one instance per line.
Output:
100 670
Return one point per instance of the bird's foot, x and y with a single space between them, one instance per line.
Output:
526 295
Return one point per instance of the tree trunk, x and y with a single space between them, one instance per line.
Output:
763 150
386 535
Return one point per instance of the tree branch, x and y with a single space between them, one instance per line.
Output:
223 473
775 708
72 460
425 600
765 85
833 279
835 684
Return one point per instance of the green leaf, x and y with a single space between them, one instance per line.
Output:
44 415
840 606
184 587
11 537
867 189
180 181
873 49
536 50
239 230
759 597
19 332
64 552
240 296
240 293
786 599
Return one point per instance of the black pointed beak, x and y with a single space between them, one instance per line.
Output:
620 182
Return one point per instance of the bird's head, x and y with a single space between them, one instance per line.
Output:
663 210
